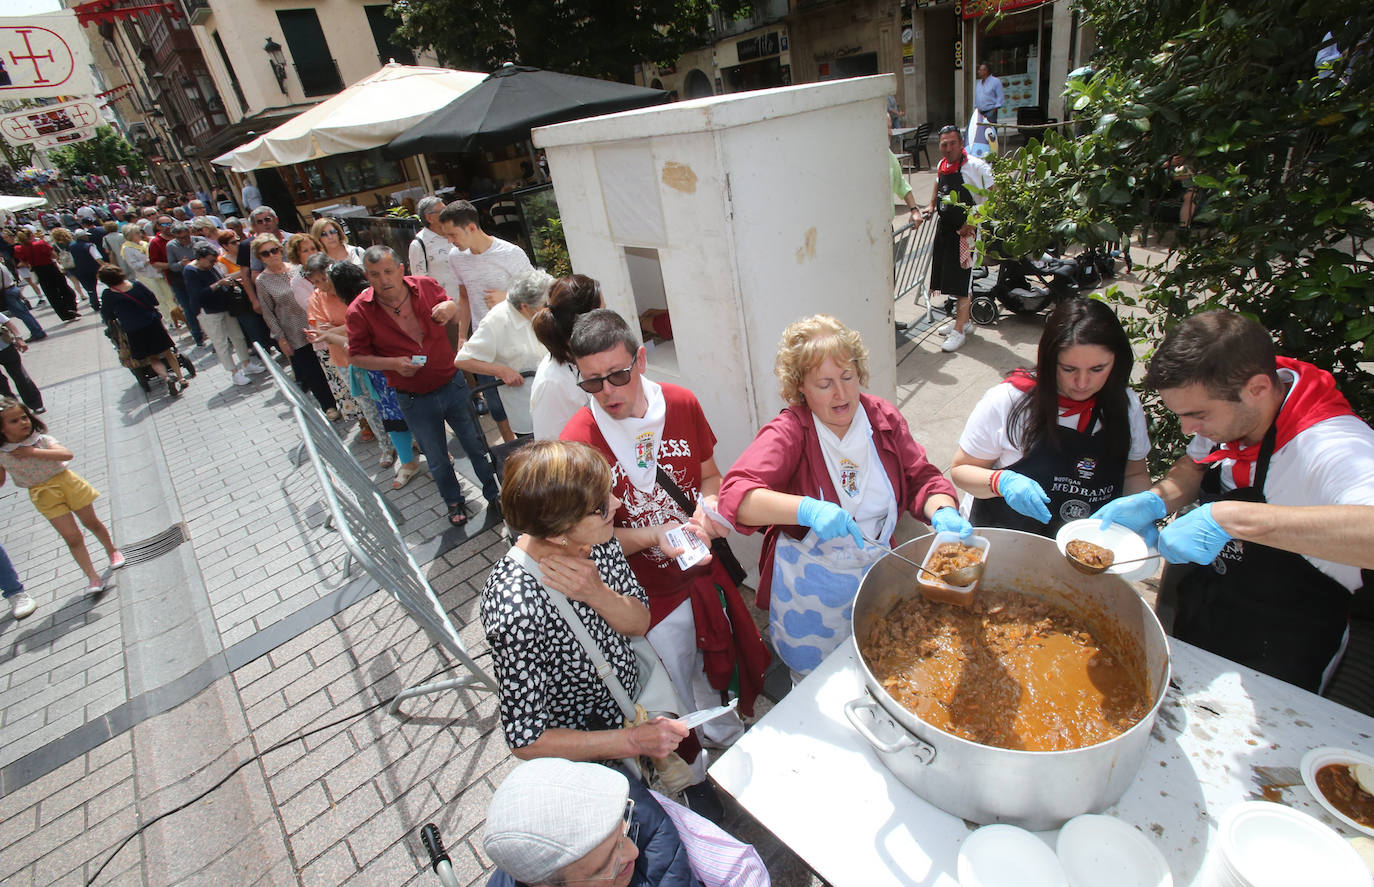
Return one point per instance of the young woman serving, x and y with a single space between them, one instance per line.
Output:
1043 449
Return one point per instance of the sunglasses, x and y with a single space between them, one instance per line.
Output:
270 251
330 232
618 379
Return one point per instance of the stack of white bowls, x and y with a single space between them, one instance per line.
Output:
1261 844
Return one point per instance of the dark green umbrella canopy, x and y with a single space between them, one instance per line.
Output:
512 101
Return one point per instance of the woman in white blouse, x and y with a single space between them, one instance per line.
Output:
555 397
504 345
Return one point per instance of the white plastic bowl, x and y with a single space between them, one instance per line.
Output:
1270 845
1125 545
1318 758
1098 850
930 582
1007 856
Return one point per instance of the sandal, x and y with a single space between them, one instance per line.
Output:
457 515
388 459
404 475
365 435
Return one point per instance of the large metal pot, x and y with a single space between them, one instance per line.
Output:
982 783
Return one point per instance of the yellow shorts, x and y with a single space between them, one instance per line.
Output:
65 493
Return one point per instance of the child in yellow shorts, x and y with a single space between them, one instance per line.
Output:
36 461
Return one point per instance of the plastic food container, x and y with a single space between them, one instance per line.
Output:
937 590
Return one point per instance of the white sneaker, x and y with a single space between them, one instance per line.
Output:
23 605
946 329
954 342
241 378
255 367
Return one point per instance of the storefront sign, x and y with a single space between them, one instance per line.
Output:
762 46
44 56
35 125
979 8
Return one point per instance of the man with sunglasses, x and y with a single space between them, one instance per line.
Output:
648 431
554 822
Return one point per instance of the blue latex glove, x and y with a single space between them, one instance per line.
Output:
949 520
828 520
1195 538
1137 513
1024 495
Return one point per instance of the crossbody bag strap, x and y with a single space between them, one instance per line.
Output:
674 491
604 669
424 250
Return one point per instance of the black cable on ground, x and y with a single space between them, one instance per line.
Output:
244 763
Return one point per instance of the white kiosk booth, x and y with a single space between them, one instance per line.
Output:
738 214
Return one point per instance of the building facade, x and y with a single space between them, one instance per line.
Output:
932 47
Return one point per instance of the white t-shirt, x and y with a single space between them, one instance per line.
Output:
555 398
986 435
1330 463
977 173
493 269
507 338
428 257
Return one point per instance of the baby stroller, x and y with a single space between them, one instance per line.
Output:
1023 286
142 369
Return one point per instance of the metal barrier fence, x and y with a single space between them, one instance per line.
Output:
911 255
369 528
516 216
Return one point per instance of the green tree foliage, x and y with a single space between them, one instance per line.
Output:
1282 163
603 38
100 155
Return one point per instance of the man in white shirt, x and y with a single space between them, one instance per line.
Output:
428 253
252 197
483 268
987 93
1284 471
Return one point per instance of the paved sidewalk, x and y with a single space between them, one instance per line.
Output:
116 709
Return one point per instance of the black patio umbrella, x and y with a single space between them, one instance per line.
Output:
512 101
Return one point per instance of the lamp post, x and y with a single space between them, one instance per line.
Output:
277 59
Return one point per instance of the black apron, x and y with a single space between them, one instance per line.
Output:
1080 477
946 274
1263 607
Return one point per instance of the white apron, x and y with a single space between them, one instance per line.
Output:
811 610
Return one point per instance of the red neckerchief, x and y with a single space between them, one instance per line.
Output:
1083 409
947 167
1314 399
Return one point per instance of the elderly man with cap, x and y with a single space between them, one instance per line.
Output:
555 822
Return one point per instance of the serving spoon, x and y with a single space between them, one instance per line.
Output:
1095 569
962 576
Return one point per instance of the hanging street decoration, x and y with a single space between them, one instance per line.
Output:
44 56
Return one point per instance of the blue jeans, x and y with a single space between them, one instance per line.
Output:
191 306
15 307
9 579
426 415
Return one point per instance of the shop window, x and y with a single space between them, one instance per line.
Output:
332 177
858 65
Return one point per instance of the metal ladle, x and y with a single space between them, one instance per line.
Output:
1094 569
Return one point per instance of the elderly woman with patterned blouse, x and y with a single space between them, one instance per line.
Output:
285 312
557 496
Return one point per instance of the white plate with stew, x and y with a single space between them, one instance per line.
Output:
1318 758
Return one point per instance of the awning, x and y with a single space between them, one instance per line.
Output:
366 115
511 102
13 203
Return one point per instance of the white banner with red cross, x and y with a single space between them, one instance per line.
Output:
44 56
51 125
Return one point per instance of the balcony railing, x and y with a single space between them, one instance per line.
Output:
197 11
320 78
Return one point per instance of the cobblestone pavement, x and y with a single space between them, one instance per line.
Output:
201 665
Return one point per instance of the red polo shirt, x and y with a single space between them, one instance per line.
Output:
373 331
157 252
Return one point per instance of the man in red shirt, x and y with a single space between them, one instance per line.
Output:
400 326
642 426
157 247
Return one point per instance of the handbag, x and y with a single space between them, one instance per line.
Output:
657 696
237 302
720 548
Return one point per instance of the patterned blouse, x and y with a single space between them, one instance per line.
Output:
29 472
284 315
547 680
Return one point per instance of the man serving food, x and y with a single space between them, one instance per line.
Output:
1284 471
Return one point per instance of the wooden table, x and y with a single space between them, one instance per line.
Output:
1224 734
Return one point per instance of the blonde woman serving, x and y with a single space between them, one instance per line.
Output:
835 466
